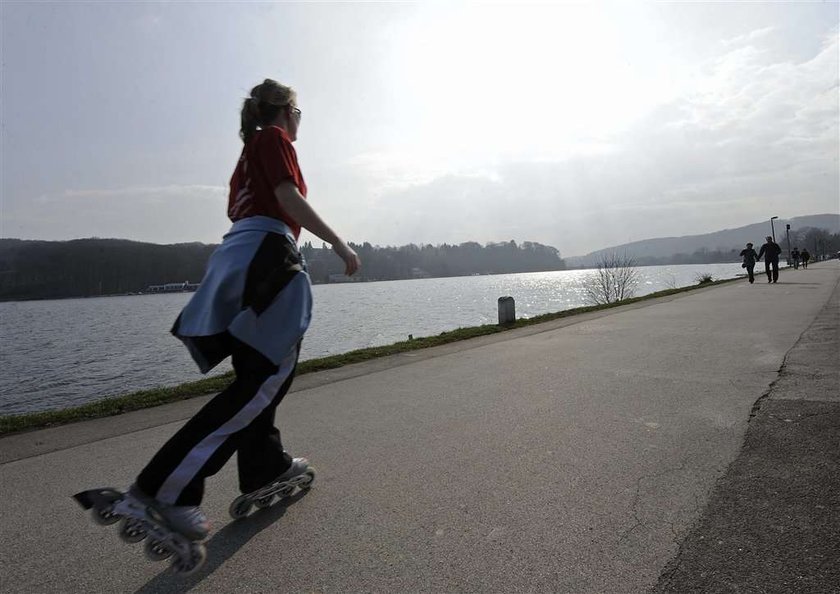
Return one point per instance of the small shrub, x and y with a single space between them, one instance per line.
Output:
703 278
614 279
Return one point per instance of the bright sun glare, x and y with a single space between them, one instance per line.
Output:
554 79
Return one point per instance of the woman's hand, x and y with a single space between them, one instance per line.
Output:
351 260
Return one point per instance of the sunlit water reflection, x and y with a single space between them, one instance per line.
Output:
67 352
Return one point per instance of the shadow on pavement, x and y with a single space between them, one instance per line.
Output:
221 547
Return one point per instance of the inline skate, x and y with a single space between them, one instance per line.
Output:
299 476
143 518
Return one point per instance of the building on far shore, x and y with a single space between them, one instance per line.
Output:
185 287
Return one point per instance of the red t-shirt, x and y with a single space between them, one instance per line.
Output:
267 160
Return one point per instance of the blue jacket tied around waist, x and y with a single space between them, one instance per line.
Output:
256 290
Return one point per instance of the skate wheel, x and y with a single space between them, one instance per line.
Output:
239 508
133 530
105 516
185 567
308 478
157 551
264 502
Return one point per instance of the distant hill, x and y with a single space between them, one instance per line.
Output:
720 244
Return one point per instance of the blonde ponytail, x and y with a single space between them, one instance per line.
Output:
262 107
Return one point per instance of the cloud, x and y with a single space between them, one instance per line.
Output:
748 37
577 126
169 190
741 91
750 135
397 169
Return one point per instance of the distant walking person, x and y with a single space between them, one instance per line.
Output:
749 257
805 257
771 251
794 255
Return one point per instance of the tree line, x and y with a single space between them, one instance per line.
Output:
820 243
91 267
417 261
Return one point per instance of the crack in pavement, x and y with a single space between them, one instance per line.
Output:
634 505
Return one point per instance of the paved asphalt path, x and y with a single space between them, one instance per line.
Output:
571 457
772 524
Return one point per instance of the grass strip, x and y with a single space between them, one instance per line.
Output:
147 398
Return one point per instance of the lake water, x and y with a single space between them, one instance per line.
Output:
61 353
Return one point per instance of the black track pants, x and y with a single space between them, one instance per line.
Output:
240 419
774 276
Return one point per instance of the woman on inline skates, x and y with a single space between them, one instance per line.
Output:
253 305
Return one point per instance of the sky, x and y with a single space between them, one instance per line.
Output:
574 125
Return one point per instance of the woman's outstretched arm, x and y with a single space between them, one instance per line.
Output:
302 212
